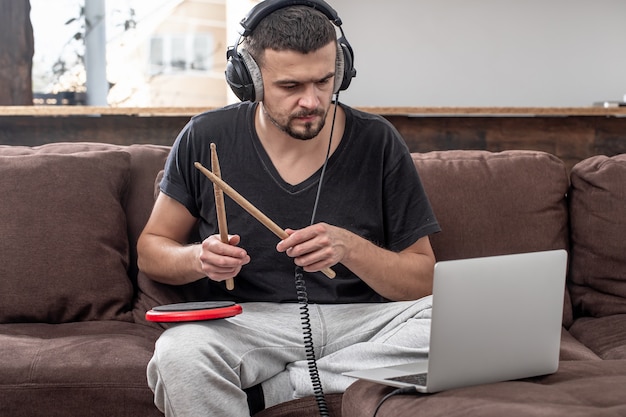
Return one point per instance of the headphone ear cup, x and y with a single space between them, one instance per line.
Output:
339 69
255 75
347 58
243 75
238 77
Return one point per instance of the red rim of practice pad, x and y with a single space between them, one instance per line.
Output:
195 311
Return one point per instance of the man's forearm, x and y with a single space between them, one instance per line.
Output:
406 275
167 261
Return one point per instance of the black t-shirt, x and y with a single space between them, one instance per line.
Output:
370 187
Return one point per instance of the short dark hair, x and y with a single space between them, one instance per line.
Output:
295 28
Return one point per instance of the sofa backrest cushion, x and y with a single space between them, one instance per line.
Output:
64 247
152 293
145 163
598 217
496 203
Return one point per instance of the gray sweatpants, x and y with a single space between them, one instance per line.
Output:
200 368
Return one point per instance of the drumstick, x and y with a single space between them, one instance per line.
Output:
220 208
247 206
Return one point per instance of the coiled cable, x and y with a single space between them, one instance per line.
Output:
309 347
303 298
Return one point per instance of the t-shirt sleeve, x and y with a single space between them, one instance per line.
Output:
409 213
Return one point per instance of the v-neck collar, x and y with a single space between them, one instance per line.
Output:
270 168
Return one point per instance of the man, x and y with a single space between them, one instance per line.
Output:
371 225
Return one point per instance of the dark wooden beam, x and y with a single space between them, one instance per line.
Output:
570 134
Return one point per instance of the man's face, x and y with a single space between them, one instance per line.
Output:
297 89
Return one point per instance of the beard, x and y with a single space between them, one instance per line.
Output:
310 131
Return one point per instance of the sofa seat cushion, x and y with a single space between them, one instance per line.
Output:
598 216
577 389
303 407
99 362
606 336
64 247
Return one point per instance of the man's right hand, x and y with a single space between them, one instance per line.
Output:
221 261
165 256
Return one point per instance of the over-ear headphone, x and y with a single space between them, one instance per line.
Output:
243 74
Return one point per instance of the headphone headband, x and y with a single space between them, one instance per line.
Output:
267 7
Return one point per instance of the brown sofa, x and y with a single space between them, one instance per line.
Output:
74 341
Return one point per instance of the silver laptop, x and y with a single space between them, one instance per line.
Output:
493 319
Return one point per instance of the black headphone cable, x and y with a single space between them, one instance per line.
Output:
303 300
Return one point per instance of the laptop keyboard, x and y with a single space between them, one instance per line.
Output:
415 379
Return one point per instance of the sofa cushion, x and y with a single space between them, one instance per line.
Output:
64 247
598 217
572 349
95 368
303 407
152 293
606 336
145 162
496 203
577 389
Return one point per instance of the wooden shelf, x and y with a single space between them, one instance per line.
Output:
571 133
498 111
52 111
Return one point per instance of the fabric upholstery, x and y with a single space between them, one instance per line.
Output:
606 335
598 221
496 203
92 368
146 161
572 349
64 245
152 293
578 389
303 407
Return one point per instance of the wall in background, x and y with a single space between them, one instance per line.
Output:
546 53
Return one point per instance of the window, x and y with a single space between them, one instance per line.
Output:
181 53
